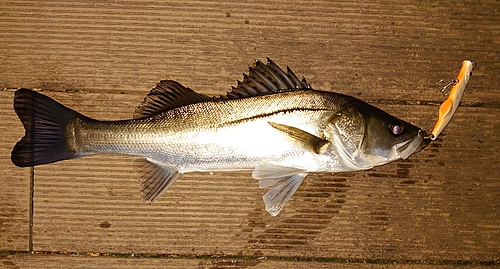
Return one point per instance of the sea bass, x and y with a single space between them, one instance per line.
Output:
271 123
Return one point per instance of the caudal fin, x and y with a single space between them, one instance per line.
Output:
45 122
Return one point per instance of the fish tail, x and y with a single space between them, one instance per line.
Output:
45 122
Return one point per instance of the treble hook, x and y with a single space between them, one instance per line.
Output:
447 86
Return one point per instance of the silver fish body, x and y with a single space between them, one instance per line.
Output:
221 135
272 123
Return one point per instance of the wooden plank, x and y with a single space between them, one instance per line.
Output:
441 204
68 261
377 50
53 261
438 205
14 193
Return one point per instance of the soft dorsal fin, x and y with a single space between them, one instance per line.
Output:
266 79
168 94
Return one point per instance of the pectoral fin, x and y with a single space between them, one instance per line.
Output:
156 178
309 140
286 180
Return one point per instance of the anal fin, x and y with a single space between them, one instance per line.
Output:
156 178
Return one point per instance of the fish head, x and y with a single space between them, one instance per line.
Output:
369 136
388 138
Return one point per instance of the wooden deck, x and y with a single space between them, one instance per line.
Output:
440 208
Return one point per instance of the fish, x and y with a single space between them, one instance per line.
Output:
271 123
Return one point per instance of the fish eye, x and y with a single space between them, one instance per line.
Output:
396 127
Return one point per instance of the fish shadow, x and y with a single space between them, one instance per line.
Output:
311 210
317 204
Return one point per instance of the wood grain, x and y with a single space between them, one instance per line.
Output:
54 261
395 50
101 58
15 190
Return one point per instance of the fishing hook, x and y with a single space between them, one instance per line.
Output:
447 86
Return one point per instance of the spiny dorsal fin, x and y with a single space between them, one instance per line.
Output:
168 94
266 79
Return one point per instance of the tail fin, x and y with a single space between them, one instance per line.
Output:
45 122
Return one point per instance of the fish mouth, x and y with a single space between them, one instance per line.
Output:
405 149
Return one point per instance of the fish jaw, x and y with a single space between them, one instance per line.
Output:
407 148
